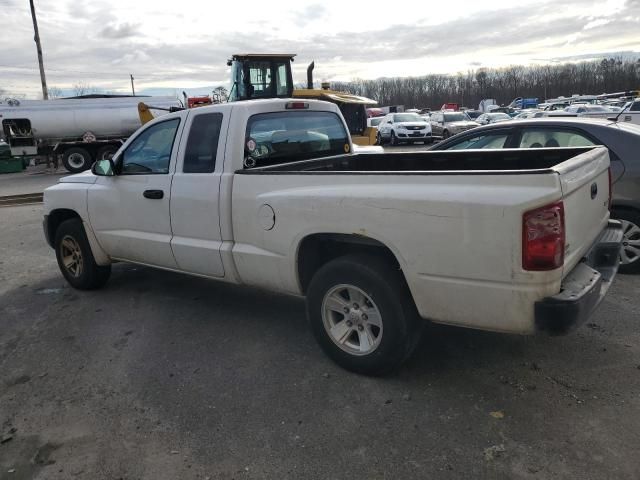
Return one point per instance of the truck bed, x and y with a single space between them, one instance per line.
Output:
508 161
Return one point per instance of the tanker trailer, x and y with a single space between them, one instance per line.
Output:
80 130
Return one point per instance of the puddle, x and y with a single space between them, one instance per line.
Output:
48 291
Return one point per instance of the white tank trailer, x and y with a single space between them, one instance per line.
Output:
80 130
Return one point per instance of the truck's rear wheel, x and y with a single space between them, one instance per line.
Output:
77 160
106 153
75 258
630 252
362 314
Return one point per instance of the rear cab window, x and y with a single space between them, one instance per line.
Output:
284 137
202 143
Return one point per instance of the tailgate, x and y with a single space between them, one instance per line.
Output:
585 190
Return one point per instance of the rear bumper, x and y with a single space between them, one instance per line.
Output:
584 287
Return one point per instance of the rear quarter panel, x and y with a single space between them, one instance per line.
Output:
457 238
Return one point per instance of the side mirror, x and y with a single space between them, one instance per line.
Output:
390 122
103 168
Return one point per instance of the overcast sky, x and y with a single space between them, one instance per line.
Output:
185 44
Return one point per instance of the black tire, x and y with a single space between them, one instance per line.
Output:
631 225
378 139
394 139
89 275
106 153
77 159
386 287
445 134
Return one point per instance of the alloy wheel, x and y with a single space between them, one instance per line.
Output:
352 320
71 256
630 252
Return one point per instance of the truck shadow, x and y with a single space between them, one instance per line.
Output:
173 308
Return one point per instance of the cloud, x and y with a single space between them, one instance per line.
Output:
310 13
163 51
123 30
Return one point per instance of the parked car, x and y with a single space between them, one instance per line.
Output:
622 140
630 112
450 106
487 118
531 113
269 194
375 112
403 127
374 121
473 114
445 124
584 108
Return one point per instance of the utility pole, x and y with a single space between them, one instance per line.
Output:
132 87
36 38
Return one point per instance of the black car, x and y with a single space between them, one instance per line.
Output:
622 140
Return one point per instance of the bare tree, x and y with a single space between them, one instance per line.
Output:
54 92
503 84
83 88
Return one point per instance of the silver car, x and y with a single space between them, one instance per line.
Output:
445 124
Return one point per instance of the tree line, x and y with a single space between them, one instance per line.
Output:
608 75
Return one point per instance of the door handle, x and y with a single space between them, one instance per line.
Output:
153 194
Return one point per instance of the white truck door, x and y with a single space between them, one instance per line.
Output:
129 212
195 193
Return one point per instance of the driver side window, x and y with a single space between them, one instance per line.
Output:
150 152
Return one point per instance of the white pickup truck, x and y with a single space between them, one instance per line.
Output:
269 193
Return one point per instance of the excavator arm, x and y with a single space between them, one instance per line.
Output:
145 114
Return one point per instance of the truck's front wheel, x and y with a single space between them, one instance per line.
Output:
77 159
362 314
75 258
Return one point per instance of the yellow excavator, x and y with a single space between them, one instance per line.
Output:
255 76
269 76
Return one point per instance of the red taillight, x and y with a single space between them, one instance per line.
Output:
296 105
543 238
610 189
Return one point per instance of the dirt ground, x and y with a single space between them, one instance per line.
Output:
163 376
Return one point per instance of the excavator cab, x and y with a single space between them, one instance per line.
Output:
269 76
260 76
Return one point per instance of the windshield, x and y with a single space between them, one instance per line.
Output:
407 117
498 116
455 117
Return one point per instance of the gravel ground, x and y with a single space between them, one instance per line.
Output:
163 376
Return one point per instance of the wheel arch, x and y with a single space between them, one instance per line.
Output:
316 249
56 217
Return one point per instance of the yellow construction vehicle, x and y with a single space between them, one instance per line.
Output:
256 76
